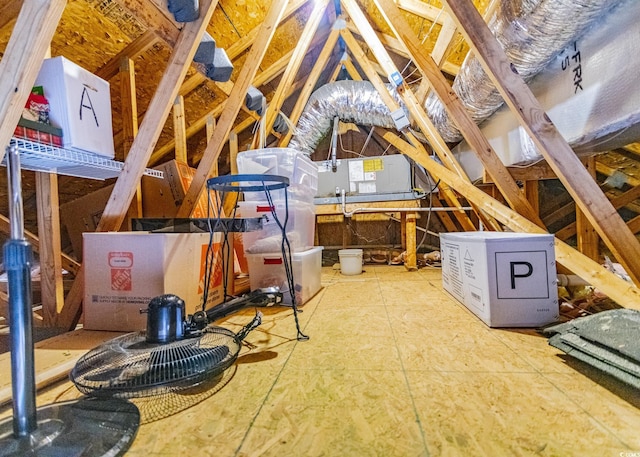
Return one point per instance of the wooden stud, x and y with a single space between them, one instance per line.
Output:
584 190
50 251
409 223
129 110
532 194
134 49
587 237
179 130
211 125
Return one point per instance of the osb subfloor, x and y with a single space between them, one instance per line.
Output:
396 367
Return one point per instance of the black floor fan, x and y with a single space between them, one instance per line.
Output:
89 426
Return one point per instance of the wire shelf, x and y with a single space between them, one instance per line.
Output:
51 159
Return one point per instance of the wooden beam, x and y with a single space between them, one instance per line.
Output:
22 59
135 163
587 237
299 53
232 106
129 110
133 50
179 130
454 107
576 179
48 209
623 292
311 82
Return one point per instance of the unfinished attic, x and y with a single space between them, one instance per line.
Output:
313 227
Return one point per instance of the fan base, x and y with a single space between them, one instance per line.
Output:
86 427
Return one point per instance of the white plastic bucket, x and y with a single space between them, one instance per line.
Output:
350 261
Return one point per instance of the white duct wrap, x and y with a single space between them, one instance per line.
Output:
532 33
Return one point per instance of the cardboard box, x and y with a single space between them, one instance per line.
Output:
125 270
79 104
83 215
506 279
163 197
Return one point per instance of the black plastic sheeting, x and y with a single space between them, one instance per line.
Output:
609 341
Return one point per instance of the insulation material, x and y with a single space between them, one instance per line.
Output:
221 68
184 10
206 51
531 32
588 91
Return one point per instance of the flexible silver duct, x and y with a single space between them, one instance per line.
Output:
351 101
531 32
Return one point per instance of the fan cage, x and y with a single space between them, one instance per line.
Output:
130 367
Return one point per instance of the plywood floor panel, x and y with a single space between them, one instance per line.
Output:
394 367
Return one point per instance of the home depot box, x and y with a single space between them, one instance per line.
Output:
163 197
125 270
79 104
506 279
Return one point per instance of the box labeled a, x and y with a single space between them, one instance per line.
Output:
506 279
79 104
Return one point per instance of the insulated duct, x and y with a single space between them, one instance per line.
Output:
352 101
532 33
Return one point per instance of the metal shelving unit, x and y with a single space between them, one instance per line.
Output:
51 159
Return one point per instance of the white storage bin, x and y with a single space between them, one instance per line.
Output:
506 279
300 169
267 270
79 104
300 226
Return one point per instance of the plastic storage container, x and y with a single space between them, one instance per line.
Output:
267 270
300 169
300 226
